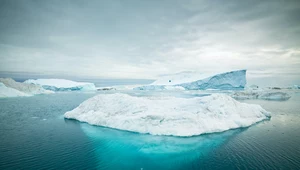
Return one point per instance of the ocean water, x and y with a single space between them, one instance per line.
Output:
34 135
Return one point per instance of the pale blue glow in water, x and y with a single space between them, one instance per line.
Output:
117 149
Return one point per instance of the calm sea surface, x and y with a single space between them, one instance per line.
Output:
34 135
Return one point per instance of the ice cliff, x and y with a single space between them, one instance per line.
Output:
168 115
62 85
197 81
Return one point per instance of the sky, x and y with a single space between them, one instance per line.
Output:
145 39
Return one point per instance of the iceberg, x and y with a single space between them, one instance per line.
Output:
30 89
168 115
105 88
62 85
296 87
252 87
10 92
198 81
261 94
274 96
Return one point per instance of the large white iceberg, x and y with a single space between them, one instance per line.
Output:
10 92
168 115
198 81
62 85
30 89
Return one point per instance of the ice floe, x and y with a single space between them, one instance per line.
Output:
158 115
62 85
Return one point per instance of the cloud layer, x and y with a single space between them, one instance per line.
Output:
143 39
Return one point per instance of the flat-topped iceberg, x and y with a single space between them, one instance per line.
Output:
168 115
30 89
198 81
10 92
62 85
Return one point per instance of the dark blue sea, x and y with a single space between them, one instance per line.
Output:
34 135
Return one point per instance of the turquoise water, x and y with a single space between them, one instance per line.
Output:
34 135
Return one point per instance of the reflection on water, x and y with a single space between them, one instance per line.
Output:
117 149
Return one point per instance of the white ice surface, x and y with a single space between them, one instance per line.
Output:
31 89
198 81
10 92
168 115
182 77
62 84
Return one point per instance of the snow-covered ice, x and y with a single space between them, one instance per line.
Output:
10 92
11 88
30 89
62 85
198 81
168 115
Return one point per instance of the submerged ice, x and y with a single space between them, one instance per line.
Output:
168 115
62 85
116 149
198 81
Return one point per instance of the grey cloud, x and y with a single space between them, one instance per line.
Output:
147 38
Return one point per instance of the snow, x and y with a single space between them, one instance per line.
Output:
30 89
198 81
62 85
10 92
159 115
261 94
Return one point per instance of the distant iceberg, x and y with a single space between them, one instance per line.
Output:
197 81
62 85
30 89
296 87
255 92
261 94
10 92
168 115
11 88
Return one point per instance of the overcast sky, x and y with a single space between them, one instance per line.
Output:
146 38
